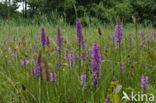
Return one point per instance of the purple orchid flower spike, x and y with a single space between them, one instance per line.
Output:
59 39
95 63
38 69
43 38
71 57
79 34
144 82
52 77
118 31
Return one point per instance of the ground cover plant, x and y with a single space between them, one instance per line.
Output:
76 64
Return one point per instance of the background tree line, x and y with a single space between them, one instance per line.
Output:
88 10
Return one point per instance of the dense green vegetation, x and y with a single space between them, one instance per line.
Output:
103 11
18 85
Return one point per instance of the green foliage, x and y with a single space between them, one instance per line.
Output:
124 10
145 8
104 11
7 10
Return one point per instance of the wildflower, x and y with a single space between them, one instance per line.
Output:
144 82
142 34
108 100
83 79
53 49
24 62
38 69
9 62
58 64
118 31
43 37
59 39
70 56
52 77
32 71
95 63
154 35
79 34
114 83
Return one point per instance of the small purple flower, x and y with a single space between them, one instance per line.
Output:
142 34
24 62
53 49
154 35
118 31
9 62
83 79
32 71
144 82
95 63
58 64
108 100
59 39
70 56
43 37
52 77
79 34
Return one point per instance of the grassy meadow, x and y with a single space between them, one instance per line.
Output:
121 66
